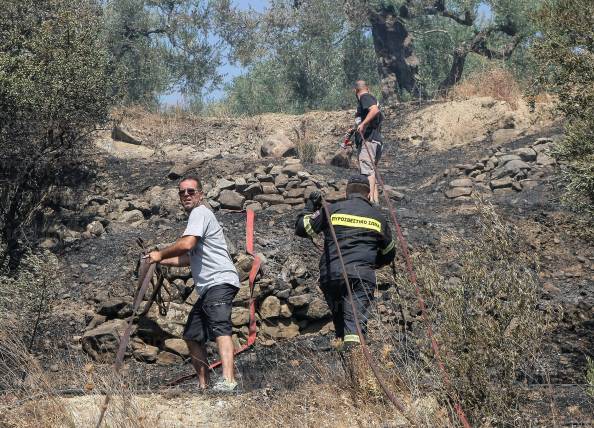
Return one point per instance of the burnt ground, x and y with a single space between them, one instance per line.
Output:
96 268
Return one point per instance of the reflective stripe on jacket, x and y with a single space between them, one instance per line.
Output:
363 235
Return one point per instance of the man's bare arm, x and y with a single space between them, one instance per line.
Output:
181 247
180 261
373 112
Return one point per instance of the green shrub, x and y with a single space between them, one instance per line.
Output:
565 53
54 88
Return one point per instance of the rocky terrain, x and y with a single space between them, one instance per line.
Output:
254 163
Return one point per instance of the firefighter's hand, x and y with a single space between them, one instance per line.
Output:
153 257
316 199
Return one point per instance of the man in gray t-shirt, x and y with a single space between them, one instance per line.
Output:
203 248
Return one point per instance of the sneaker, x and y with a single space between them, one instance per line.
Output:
224 385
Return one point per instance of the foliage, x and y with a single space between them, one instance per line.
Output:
487 319
54 87
565 51
160 45
298 58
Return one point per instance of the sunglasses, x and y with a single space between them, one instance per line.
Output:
190 192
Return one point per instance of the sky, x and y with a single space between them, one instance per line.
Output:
229 71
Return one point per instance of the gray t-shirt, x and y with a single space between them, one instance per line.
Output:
210 261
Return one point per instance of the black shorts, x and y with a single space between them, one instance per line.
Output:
211 315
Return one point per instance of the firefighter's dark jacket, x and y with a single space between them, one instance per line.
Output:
363 236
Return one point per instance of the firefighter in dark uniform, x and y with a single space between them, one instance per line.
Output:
366 244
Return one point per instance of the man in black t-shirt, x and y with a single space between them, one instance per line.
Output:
369 147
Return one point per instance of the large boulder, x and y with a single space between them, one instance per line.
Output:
456 192
231 200
317 309
240 316
280 329
341 159
116 307
101 343
120 133
177 346
253 190
172 324
277 146
270 307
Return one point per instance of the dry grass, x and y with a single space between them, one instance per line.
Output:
497 83
29 399
487 322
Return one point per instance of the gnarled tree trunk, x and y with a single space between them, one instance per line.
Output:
397 64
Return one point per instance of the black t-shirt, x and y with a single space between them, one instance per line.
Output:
373 130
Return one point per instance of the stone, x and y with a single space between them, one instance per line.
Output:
280 208
280 329
96 321
163 201
225 184
116 307
171 324
180 169
303 175
341 159
501 183
516 166
166 358
252 191
213 193
507 158
144 352
281 180
177 346
265 178
120 133
244 266
292 169
270 199
240 316
461 182
231 200
294 201
393 193
285 311
269 189
457 192
529 184
254 206
102 342
293 184
300 300
527 154
275 170
243 295
270 307
131 216
317 309
296 193
516 186
241 184
545 160
95 228
278 145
